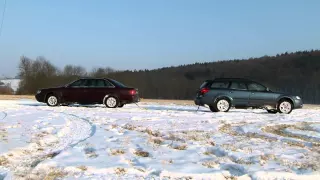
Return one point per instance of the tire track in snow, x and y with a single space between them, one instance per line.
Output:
92 128
26 159
5 115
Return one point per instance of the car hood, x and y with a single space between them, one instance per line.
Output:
283 94
53 88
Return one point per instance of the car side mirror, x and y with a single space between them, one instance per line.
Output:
268 89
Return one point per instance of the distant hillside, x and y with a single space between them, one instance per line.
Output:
296 73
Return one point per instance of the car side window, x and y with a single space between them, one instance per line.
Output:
256 87
238 86
78 83
102 83
220 85
90 83
108 84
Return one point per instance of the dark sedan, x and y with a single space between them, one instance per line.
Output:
90 91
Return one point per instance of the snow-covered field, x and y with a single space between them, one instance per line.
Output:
156 141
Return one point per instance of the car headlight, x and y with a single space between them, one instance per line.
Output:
39 91
297 97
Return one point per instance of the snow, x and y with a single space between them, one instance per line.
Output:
156 141
13 83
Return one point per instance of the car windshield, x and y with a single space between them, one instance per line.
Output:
119 84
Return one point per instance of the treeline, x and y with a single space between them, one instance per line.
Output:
40 73
296 73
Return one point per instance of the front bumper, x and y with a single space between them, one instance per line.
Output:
298 103
39 97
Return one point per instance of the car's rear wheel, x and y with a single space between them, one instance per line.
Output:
111 102
285 107
213 109
52 100
222 105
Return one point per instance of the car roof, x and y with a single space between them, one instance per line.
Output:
92 78
231 79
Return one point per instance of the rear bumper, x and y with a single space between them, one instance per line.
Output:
133 99
198 101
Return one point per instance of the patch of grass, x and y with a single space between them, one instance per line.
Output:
305 126
211 143
120 171
208 153
174 137
231 177
230 147
243 161
296 144
129 127
197 135
267 157
153 133
313 165
3 135
55 174
180 147
52 155
82 168
90 152
116 152
280 131
227 128
210 164
3 161
260 136
185 178
264 158
156 140
140 169
141 153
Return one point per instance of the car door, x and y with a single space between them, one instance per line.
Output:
75 91
259 95
239 93
98 89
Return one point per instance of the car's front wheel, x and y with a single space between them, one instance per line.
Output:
52 100
111 102
272 111
222 105
285 107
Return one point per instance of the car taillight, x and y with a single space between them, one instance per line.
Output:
133 92
204 90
